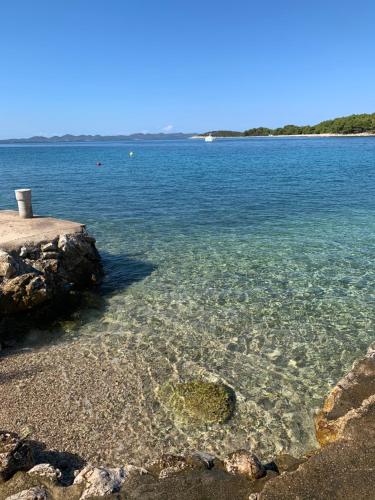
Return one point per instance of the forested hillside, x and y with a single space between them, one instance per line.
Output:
353 124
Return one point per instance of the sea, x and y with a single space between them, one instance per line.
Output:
245 261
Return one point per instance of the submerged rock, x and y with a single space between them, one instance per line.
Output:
245 463
199 401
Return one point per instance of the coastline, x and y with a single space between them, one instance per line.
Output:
345 428
55 466
362 134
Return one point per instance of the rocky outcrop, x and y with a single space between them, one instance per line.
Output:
32 275
341 470
15 455
193 476
351 400
345 427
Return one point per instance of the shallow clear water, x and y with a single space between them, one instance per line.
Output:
249 261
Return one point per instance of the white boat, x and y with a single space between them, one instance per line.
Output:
209 138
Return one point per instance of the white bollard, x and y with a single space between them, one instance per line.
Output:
25 209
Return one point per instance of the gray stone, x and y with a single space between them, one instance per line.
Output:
100 481
50 255
32 277
46 471
15 455
47 266
80 261
30 251
37 493
24 292
24 252
245 463
7 265
171 471
11 266
50 246
206 459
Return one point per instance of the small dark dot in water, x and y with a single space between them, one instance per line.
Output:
232 347
172 358
266 403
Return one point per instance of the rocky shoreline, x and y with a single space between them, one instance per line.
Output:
341 468
35 274
41 281
41 275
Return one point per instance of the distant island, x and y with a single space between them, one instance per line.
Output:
95 138
363 124
346 125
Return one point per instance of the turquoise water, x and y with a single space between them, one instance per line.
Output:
249 261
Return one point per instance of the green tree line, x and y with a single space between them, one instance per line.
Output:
353 124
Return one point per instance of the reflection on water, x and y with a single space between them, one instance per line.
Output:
251 262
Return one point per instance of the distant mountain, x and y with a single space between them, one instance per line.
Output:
353 124
345 125
95 138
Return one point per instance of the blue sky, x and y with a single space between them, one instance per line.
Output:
115 66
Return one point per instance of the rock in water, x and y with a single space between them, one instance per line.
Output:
245 463
199 401
15 455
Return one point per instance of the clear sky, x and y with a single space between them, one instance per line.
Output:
121 66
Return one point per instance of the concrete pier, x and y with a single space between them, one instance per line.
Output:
16 232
